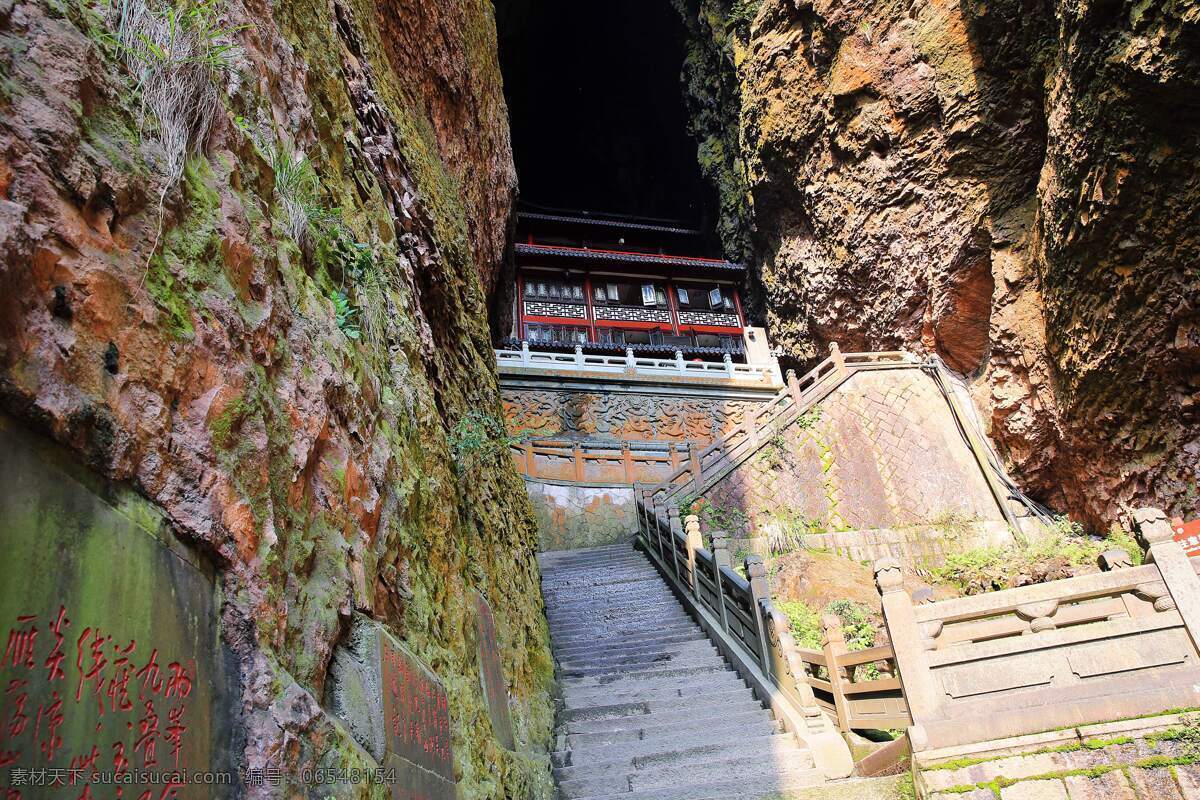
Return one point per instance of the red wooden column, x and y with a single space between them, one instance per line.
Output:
591 313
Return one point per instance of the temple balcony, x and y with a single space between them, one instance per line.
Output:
699 365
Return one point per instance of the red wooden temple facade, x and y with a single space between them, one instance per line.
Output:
609 284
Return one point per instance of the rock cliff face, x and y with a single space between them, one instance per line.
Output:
1009 185
282 363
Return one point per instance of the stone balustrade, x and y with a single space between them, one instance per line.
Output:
631 365
1112 645
737 614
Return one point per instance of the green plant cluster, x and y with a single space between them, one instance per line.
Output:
787 528
775 454
318 229
857 626
741 16
715 517
1065 542
478 438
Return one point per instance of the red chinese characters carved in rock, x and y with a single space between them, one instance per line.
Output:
416 713
133 705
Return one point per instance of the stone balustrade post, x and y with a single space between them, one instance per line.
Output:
833 644
530 460
630 361
579 355
760 592
695 541
525 354
752 418
720 549
835 353
1111 560
793 386
639 504
697 470
721 558
661 523
907 642
728 359
577 452
676 528
679 362
1173 564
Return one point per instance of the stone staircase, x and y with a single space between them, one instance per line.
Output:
650 710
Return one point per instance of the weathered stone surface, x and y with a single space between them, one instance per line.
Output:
113 659
491 673
313 463
570 517
1111 786
1008 186
1158 783
1035 790
882 450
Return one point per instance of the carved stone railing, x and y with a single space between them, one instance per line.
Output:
845 687
738 616
760 424
598 462
630 364
1089 649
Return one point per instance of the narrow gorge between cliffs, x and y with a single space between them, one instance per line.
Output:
638 400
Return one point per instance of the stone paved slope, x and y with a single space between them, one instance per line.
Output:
650 710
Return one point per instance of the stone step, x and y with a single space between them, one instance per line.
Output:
640 577
688 690
606 574
660 653
625 631
635 598
646 616
631 678
583 553
652 618
611 745
578 568
624 715
568 609
631 645
760 785
694 769
767 746
689 660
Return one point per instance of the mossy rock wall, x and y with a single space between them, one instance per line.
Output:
1009 186
304 448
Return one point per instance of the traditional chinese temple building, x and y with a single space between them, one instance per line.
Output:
612 284
629 350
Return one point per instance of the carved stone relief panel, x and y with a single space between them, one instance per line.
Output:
633 417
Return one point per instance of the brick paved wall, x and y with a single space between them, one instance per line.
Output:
882 451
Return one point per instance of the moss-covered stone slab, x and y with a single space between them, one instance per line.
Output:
491 674
113 662
396 708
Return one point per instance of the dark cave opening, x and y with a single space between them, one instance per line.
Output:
597 109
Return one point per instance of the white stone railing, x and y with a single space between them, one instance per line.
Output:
767 374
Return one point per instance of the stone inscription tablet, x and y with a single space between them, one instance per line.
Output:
111 682
416 719
495 688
